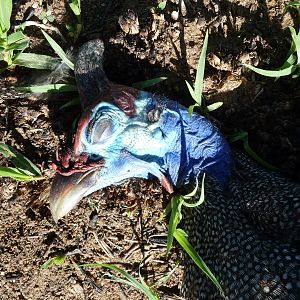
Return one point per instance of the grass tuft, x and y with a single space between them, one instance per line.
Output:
291 64
128 279
59 51
243 136
180 235
196 92
57 260
24 168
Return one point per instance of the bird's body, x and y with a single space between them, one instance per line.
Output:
247 230
248 235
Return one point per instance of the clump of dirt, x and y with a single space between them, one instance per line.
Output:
121 224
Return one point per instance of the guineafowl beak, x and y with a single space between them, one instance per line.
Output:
67 191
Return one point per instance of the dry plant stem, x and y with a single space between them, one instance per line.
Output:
112 244
103 246
134 248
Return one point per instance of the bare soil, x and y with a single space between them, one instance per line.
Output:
122 225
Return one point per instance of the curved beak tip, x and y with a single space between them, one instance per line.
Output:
67 191
63 196
55 214
56 207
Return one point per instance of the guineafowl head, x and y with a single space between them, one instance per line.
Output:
129 133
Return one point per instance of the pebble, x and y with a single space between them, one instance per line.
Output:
175 15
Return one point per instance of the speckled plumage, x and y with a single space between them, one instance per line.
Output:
248 234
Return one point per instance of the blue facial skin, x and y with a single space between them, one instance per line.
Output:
175 144
161 140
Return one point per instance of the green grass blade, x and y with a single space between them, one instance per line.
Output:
57 260
166 276
75 6
15 37
162 5
119 280
291 59
19 160
175 218
181 238
272 73
15 173
243 136
296 41
293 4
48 88
192 92
39 25
60 52
214 106
129 279
191 108
152 291
20 45
36 61
201 198
237 136
200 71
296 75
256 157
291 52
194 191
147 83
288 66
132 281
167 210
171 207
5 14
17 41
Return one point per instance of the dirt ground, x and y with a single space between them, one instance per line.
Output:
122 225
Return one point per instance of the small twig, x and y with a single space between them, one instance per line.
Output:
147 259
140 223
103 246
131 250
125 240
113 244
